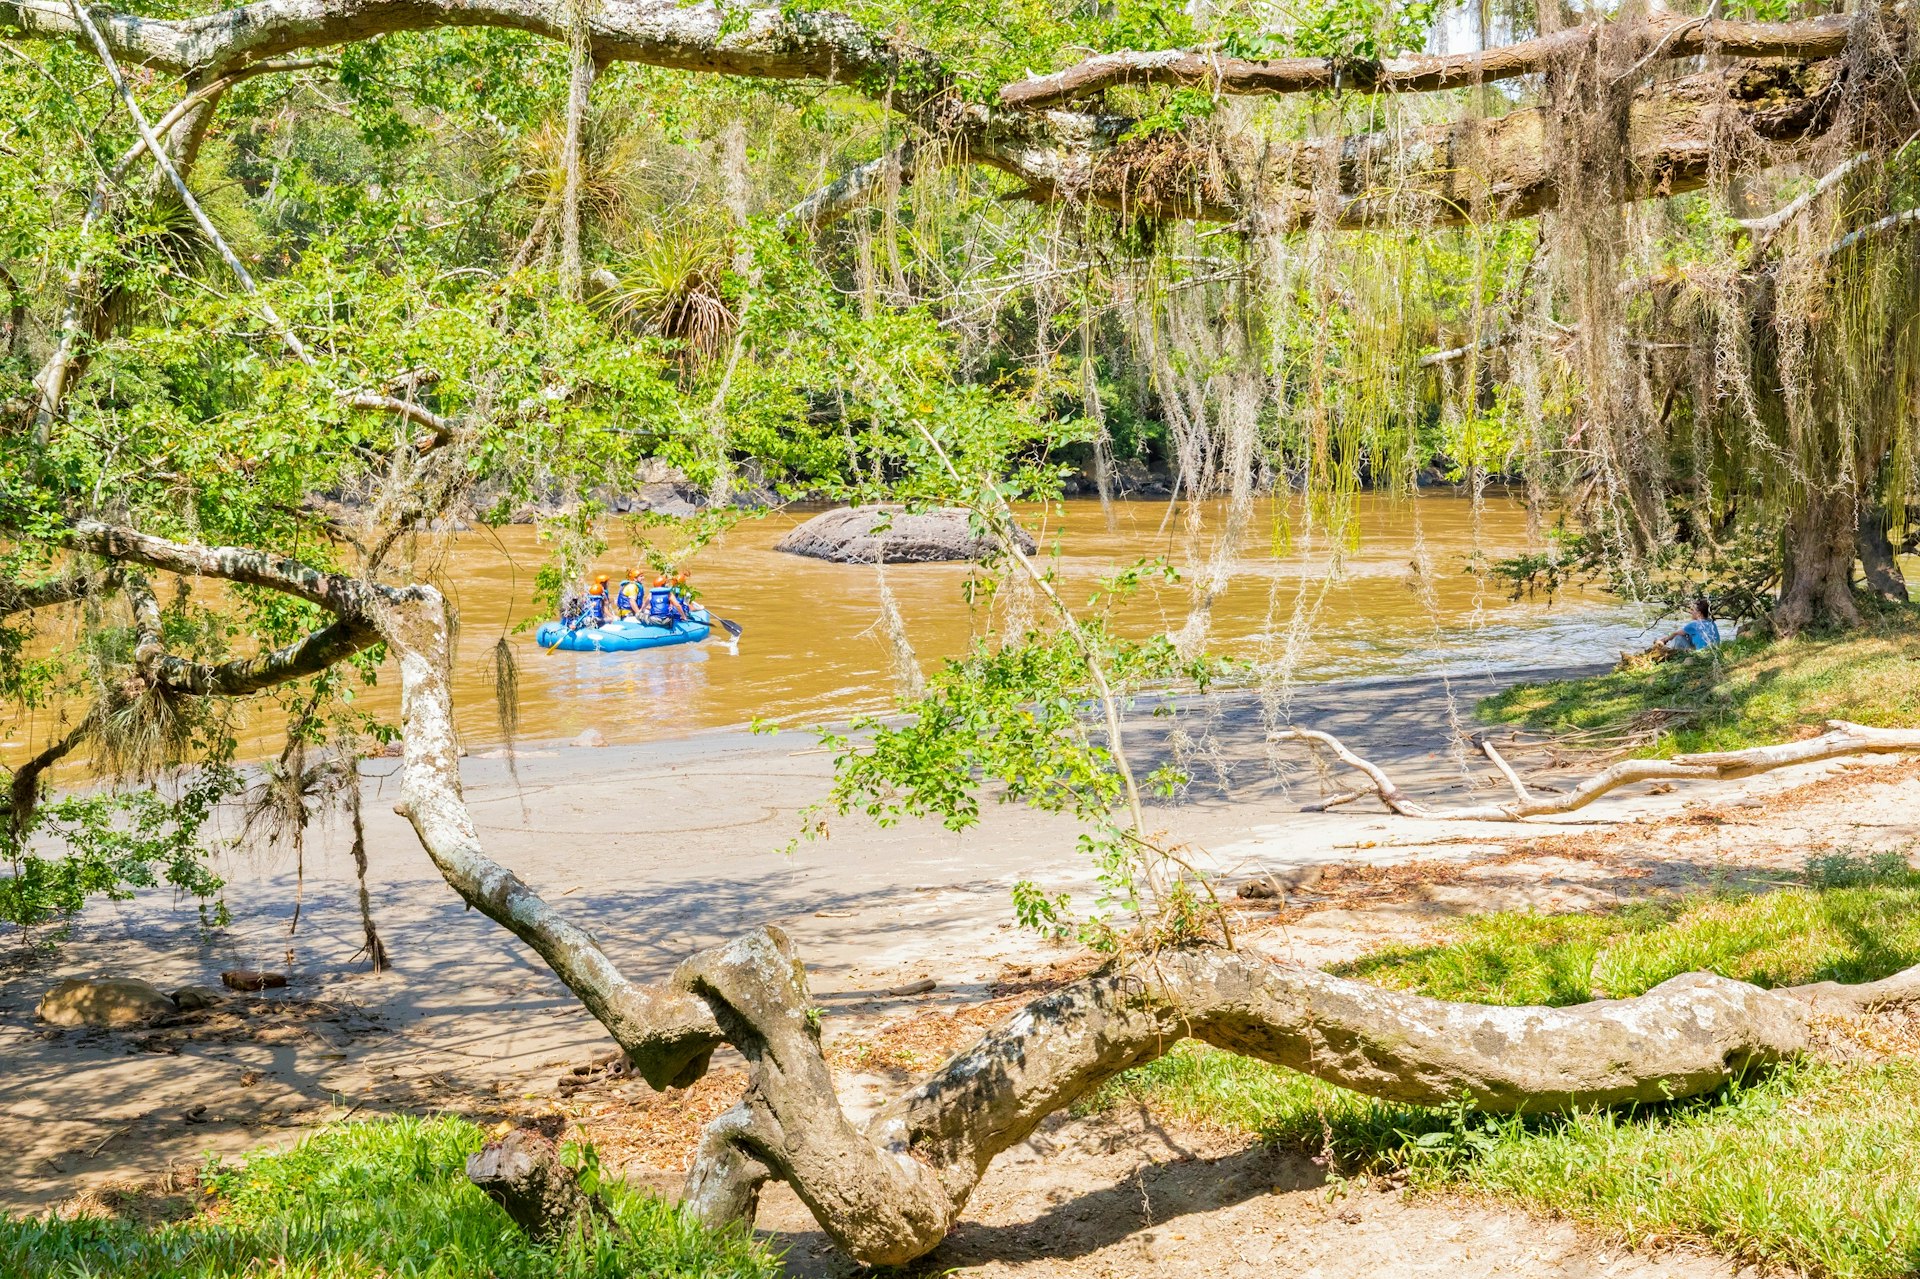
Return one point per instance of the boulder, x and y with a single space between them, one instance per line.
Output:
113 1001
590 737
191 999
848 536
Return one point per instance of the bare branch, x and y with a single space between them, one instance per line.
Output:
768 43
439 429
23 788
1675 37
852 189
344 596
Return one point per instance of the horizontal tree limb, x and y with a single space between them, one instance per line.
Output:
23 597
1667 35
1840 741
1437 175
766 43
344 596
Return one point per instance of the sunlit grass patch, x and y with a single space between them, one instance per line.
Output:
370 1201
1807 1166
1748 693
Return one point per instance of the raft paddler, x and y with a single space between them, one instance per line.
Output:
596 611
630 597
666 602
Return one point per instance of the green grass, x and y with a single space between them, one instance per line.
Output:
1808 1166
372 1200
1748 693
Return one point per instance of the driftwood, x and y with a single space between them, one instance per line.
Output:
1842 739
888 1190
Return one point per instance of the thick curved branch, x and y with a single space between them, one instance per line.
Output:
1842 740
346 597
889 1191
668 1034
244 676
1669 35
768 43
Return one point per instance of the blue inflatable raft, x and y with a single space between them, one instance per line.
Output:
623 636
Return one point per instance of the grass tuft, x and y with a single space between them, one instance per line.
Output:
1749 693
371 1201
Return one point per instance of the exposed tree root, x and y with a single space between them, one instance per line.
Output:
1842 739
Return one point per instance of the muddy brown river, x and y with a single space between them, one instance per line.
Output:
812 651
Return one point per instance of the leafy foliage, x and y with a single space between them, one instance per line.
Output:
115 843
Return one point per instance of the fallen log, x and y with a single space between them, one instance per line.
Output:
1841 740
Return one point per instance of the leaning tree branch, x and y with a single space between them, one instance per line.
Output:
23 787
346 597
1840 741
166 166
1670 36
1441 175
244 676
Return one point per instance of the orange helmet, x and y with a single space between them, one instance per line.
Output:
660 580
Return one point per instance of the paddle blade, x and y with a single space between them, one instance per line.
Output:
730 626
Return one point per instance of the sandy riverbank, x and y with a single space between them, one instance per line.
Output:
673 846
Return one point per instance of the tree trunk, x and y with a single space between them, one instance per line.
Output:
1816 575
1876 555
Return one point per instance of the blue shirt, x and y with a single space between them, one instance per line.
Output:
1701 633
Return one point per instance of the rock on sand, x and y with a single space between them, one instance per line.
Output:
848 536
113 1001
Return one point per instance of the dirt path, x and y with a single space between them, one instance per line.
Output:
1121 1197
667 850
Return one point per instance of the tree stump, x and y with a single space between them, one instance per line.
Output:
522 1173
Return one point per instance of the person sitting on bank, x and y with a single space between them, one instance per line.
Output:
1701 632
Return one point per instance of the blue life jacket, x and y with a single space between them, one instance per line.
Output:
660 605
630 597
595 610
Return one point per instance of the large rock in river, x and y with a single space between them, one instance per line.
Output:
115 1001
866 534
